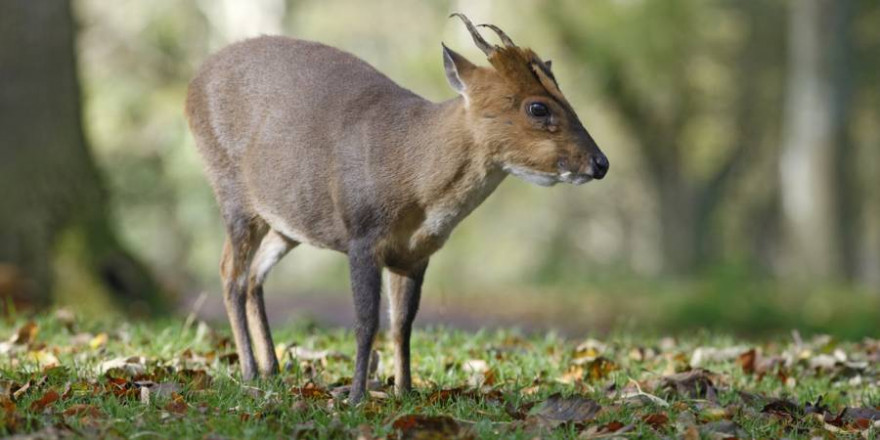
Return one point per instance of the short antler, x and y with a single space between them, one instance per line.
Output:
504 38
487 48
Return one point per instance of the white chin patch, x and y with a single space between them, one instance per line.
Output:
537 177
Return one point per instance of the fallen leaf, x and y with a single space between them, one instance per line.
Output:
588 350
310 391
747 361
98 341
784 409
573 374
697 383
121 388
26 334
600 368
706 355
713 412
479 373
11 419
657 421
195 379
445 395
126 366
871 414
557 410
416 426
80 389
613 429
823 362
49 398
723 429
82 409
177 405
67 318
633 393
43 358
518 413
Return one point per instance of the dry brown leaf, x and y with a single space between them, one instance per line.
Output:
657 421
10 418
852 414
417 426
82 409
783 409
121 388
573 374
695 384
42 403
600 368
177 405
445 395
723 429
691 433
310 391
557 410
26 334
588 351
195 379
747 361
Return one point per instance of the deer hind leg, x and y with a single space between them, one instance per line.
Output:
243 235
273 247
404 291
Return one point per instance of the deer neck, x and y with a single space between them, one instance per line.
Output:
454 173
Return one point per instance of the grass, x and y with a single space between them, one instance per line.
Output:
510 392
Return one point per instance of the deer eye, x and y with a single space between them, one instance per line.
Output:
538 110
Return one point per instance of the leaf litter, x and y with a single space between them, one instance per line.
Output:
59 384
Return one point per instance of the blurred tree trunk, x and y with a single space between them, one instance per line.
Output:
53 209
813 125
848 195
687 204
865 60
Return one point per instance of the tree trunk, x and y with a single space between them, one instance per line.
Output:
54 209
846 166
807 162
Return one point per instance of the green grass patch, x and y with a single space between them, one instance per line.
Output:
61 376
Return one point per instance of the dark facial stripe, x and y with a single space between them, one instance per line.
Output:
549 84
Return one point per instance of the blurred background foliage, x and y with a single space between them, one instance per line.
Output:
744 192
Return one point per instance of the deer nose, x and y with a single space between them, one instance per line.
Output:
599 165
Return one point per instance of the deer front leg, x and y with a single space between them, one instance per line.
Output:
366 286
404 291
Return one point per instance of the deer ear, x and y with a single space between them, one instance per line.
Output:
458 69
548 63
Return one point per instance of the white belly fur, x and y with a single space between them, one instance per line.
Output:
284 228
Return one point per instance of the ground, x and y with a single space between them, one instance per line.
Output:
62 376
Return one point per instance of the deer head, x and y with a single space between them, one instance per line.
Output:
517 112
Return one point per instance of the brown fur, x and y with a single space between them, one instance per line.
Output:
306 143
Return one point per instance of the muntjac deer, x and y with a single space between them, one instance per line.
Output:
304 143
